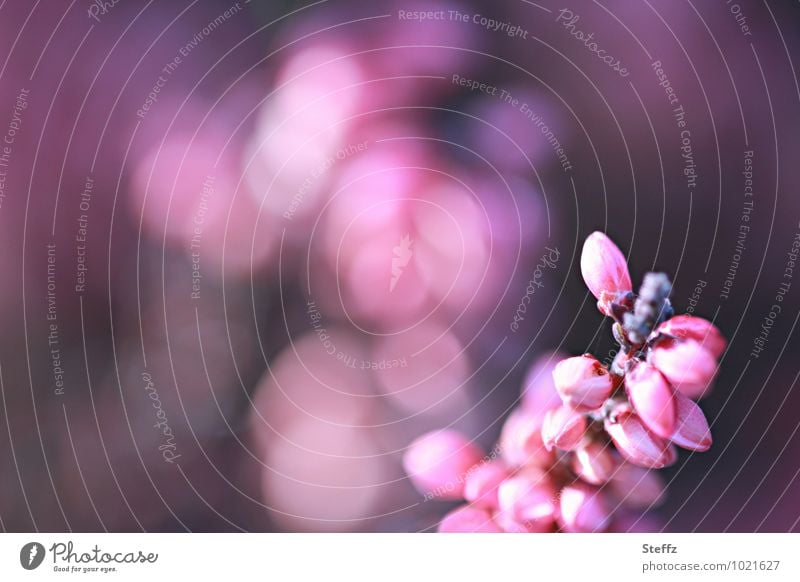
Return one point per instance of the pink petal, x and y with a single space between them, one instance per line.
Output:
468 519
583 383
594 463
521 439
480 486
691 429
437 462
684 362
528 499
603 266
563 428
635 442
652 398
583 509
695 328
694 391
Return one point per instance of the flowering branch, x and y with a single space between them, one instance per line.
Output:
576 455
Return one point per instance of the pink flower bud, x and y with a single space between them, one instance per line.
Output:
436 463
691 428
468 519
528 498
637 487
521 439
652 398
583 509
583 383
594 463
684 362
695 328
603 266
634 442
480 486
563 428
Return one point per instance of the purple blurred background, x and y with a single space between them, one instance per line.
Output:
251 250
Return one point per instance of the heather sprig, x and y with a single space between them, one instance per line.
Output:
578 453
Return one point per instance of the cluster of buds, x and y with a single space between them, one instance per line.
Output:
577 454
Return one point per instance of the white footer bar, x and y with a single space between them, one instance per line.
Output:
401 557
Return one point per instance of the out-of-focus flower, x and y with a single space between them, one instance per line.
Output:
438 462
184 194
303 130
521 439
423 371
320 464
583 509
468 519
528 498
481 483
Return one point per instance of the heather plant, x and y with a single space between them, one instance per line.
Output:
578 454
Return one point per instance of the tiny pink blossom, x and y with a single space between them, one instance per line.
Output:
652 399
691 428
604 269
480 486
521 439
695 328
528 499
634 442
637 487
437 462
594 463
563 428
583 383
468 519
684 362
583 509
